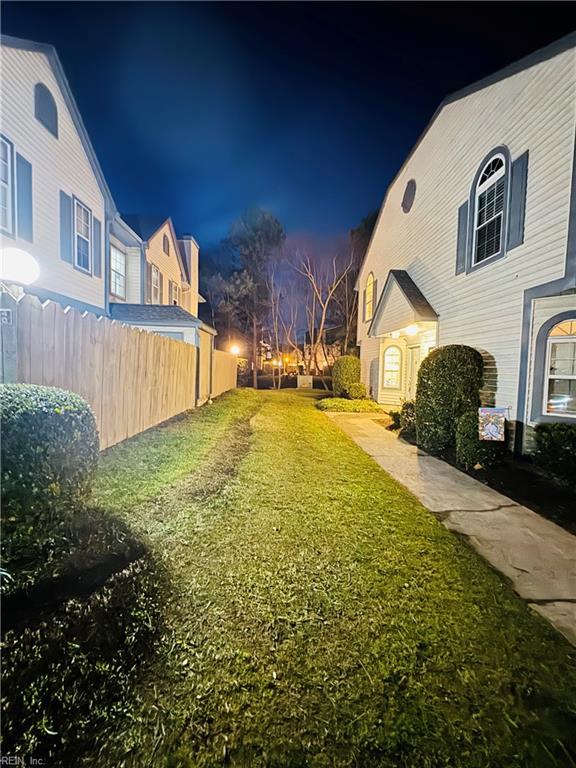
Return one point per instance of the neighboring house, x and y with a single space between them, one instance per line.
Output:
54 200
476 244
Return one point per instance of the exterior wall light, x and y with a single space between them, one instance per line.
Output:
18 266
411 330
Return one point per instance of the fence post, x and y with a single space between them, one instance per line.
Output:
8 337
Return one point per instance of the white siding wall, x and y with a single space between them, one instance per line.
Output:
57 164
533 110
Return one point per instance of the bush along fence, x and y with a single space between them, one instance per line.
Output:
132 379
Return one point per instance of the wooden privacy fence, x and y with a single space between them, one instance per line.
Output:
224 372
133 379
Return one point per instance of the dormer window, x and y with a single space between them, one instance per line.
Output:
45 109
166 245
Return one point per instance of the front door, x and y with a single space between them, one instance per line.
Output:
413 365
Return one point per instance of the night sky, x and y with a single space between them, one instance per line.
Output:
307 109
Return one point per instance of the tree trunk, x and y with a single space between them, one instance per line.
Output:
254 352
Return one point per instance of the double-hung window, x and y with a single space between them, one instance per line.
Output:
560 389
156 298
489 210
82 236
174 292
6 187
117 273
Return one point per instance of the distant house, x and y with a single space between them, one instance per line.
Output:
55 202
476 244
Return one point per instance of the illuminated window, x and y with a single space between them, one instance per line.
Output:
392 368
6 187
369 298
156 298
489 209
560 390
82 236
117 273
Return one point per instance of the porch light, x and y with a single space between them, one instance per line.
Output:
18 266
235 349
411 330
395 334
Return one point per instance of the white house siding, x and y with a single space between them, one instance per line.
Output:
533 110
57 164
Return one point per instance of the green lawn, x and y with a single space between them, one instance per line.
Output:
317 614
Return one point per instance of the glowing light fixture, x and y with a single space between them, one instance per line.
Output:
395 334
18 266
235 349
411 330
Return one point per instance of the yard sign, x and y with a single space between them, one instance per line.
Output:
492 424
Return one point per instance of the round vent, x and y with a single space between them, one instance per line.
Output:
409 195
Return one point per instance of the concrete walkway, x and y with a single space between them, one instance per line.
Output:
537 555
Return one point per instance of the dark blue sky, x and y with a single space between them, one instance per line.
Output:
307 109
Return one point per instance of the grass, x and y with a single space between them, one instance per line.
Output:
317 614
344 405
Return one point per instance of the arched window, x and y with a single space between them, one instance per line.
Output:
392 368
560 384
489 207
45 109
369 298
166 244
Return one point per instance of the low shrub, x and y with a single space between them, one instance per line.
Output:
70 674
556 450
343 405
345 371
356 391
49 455
408 421
449 382
395 416
470 450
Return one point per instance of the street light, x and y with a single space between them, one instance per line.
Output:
235 349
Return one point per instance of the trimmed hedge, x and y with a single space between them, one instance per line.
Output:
470 450
356 391
49 455
449 382
408 421
70 675
556 450
345 371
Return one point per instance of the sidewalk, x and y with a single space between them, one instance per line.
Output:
537 555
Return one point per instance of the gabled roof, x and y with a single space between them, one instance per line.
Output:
147 226
537 57
413 295
50 52
153 314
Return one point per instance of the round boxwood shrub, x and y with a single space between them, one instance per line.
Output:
49 454
470 450
356 391
449 382
408 421
556 450
345 371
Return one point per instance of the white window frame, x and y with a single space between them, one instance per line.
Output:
480 188
369 297
115 252
9 186
174 293
400 364
78 204
547 375
155 288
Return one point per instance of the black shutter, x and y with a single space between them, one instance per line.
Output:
461 244
517 212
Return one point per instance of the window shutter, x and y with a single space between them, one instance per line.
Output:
24 198
148 298
97 246
364 305
518 184
374 297
161 300
462 238
66 244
